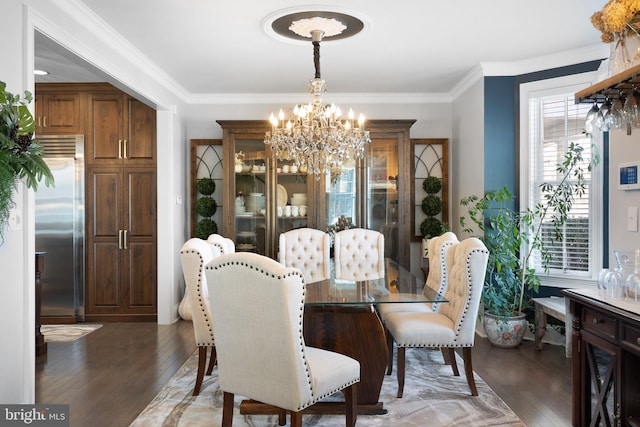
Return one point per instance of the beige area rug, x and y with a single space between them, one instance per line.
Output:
432 396
67 333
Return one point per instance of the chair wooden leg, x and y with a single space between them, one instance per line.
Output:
202 360
282 417
350 399
445 355
454 363
227 409
401 367
212 360
390 351
296 419
468 370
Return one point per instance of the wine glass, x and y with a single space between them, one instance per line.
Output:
590 120
616 116
603 122
630 109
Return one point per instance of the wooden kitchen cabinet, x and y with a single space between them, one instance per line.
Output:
121 249
58 110
120 130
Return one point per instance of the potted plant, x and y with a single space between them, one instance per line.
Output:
513 237
431 206
20 153
206 207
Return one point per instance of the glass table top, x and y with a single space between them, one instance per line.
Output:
396 285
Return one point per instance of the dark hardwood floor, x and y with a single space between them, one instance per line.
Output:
109 376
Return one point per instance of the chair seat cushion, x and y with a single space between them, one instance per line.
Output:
330 371
386 309
416 329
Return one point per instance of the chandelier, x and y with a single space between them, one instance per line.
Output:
317 136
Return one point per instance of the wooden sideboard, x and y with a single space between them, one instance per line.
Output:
606 360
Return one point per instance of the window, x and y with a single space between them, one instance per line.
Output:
550 120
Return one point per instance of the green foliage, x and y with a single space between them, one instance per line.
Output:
432 227
205 228
206 186
206 206
431 205
20 153
432 185
512 236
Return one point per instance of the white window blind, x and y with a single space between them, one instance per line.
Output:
554 121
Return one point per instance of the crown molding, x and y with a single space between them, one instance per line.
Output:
529 65
131 77
297 98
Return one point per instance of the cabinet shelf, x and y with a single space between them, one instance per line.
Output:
611 88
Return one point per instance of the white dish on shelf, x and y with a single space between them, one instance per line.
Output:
282 195
245 246
245 214
245 233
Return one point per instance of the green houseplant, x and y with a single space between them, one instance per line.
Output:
513 237
206 207
20 152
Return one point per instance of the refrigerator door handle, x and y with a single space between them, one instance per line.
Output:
119 239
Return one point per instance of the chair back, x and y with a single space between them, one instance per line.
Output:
194 255
257 323
225 244
306 249
359 254
466 264
437 278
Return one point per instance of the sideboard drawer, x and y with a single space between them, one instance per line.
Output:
599 323
631 337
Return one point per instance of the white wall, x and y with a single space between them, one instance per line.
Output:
467 150
17 297
623 148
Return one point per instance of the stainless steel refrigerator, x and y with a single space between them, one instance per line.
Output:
59 222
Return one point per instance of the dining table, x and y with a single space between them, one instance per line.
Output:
340 315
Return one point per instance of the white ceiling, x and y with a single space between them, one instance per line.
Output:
407 46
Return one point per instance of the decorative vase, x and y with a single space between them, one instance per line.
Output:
504 332
619 59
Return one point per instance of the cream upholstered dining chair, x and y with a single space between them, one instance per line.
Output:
195 253
306 249
437 280
258 323
454 324
225 244
358 254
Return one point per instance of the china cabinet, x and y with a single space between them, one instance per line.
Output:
263 197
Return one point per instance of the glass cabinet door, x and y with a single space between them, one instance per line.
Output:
381 208
251 192
341 194
292 197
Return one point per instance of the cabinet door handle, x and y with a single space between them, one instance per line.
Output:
596 321
39 121
119 148
125 239
124 150
119 239
638 341
44 121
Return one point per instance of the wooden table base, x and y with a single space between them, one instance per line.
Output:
355 331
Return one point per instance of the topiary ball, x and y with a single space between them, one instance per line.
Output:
431 205
206 186
431 227
205 228
206 206
432 185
